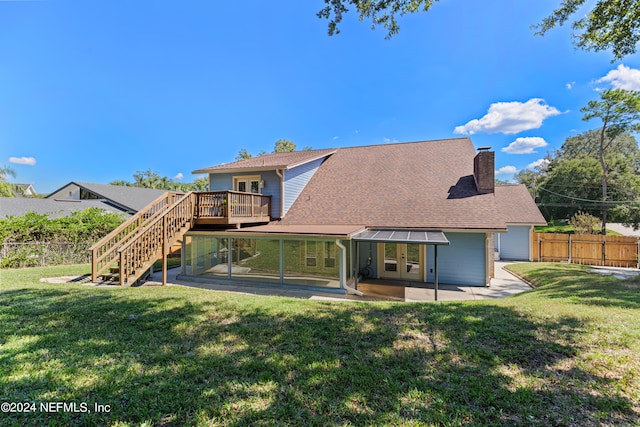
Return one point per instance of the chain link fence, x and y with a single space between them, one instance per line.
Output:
33 254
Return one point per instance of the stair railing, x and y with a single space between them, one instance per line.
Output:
105 252
154 240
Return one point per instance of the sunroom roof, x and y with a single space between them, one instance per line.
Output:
403 236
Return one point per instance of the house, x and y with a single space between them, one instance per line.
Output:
424 212
518 209
123 198
420 211
77 196
23 190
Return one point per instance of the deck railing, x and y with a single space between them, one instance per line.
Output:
104 253
232 205
155 239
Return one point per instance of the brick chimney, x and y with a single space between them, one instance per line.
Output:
484 170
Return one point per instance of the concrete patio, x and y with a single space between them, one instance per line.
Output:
503 285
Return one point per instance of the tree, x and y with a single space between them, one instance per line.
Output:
150 179
619 111
572 180
5 187
610 24
284 146
243 154
201 184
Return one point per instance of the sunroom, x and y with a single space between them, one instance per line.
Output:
330 258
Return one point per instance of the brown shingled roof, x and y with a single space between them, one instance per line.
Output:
269 161
517 206
425 184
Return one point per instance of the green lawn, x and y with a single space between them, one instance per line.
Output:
563 227
565 353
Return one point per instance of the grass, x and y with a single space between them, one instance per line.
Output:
565 353
563 227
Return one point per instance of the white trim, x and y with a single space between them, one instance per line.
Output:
248 179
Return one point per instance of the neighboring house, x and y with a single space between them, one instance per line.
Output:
520 214
80 196
123 198
407 211
18 206
23 190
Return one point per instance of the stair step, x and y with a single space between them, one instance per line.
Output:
110 277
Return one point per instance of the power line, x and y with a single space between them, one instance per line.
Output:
600 202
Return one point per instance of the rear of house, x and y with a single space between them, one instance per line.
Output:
418 212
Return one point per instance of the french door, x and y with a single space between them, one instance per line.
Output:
401 261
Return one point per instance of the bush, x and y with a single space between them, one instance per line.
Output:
584 223
35 239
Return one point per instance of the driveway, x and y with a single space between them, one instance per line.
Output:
623 229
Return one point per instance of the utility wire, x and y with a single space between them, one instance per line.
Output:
601 202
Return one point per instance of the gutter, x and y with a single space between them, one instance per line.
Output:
343 263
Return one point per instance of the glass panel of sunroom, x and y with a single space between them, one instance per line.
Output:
256 260
206 255
300 270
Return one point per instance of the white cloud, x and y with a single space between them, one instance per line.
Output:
623 78
506 170
540 163
390 141
526 145
335 137
510 117
29 161
179 176
569 85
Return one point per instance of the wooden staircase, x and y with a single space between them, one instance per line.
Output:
125 254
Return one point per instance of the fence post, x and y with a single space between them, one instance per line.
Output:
604 257
570 248
539 247
638 253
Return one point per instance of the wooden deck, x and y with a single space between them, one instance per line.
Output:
129 251
231 207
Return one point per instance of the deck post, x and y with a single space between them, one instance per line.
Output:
94 266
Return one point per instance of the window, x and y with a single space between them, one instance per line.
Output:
247 184
312 253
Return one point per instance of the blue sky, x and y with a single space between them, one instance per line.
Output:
95 90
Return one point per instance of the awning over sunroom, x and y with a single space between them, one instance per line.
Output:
402 236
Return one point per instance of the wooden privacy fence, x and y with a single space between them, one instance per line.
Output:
612 251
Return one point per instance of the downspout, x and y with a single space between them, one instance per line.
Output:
280 173
343 266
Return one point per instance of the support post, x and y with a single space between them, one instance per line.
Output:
570 248
435 270
164 250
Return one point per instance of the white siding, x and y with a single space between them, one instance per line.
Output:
515 243
463 262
